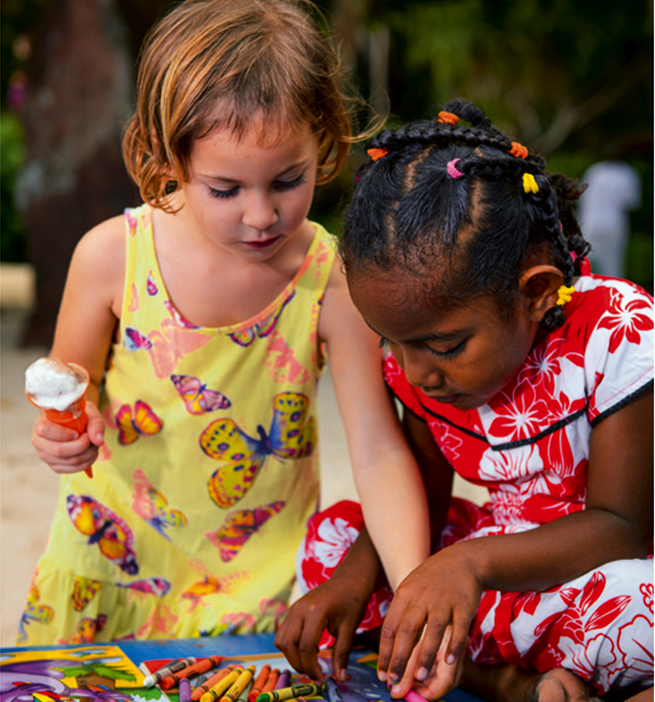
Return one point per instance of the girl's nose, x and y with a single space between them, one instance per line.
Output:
420 369
260 212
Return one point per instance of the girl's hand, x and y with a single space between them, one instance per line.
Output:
440 680
334 605
443 591
63 449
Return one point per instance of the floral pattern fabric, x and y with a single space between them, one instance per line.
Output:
530 447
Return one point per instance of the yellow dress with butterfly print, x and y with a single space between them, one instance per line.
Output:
200 498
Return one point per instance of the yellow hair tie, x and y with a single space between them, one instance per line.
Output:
564 294
529 183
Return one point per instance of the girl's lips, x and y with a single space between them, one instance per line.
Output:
261 244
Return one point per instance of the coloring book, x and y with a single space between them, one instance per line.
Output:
89 674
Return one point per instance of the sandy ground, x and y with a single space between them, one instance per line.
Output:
28 489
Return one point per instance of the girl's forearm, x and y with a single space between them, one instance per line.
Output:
396 513
553 553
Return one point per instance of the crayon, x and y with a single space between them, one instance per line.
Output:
199 666
239 685
333 693
207 685
243 697
185 690
289 693
259 683
216 692
284 680
168 669
271 681
198 680
413 696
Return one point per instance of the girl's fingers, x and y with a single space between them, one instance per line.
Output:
431 640
397 642
458 635
405 684
341 651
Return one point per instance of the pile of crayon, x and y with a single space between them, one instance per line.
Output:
232 683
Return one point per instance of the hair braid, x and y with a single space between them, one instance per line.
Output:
436 188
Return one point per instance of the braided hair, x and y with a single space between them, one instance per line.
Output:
465 199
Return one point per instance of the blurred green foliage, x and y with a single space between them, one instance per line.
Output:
568 78
11 223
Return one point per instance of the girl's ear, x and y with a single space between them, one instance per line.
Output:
538 286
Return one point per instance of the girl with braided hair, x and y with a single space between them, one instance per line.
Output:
525 373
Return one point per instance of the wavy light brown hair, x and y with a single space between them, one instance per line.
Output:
214 64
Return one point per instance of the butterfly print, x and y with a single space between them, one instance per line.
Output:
84 590
141 421
151 286
197 398
153 507
292 435
261 329
104 528
239 526
34 612
135 340
151 586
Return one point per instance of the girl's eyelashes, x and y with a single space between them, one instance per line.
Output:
282 185
450 353
223 194
278 185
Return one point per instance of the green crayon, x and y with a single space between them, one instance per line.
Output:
290 693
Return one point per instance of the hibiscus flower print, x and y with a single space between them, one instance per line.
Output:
336 537
545 363
626 320
520 416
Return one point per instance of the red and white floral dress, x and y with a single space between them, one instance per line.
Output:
530 447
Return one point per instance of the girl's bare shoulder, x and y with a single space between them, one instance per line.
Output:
99 257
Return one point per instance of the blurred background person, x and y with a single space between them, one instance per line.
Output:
614 190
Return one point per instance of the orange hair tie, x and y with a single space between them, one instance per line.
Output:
376 154
447 118
518 150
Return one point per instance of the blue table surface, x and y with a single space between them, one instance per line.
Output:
139 651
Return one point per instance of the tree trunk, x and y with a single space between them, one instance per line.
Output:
76 102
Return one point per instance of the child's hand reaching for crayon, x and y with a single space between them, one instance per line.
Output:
436 602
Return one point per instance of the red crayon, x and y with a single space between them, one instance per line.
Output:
199 691
201 666
271 682
259 683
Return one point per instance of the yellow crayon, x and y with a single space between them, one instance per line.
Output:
199 691
216 692
239 685
289 693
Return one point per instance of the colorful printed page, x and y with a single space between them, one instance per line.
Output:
89 674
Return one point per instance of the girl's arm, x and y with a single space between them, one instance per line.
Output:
386 474
615 524
85 325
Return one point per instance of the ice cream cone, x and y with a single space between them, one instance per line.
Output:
74 415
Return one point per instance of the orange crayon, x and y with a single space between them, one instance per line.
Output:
272 681
259 683
201 666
